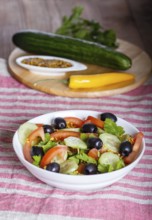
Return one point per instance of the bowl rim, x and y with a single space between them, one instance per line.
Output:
66 176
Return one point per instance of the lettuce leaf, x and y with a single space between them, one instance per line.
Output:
104 168
85 158
36 160
112 128
47 143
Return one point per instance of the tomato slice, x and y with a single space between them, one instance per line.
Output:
94 153
39 125
73 122
61 135
81 168
90 119
56 154
138 140
39 132
135 150
27 151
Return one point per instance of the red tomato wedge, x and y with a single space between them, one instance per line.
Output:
138 139
73 122
135 150
39 132
27 151
94 153
90 119
81 168
61 135
56 154
39 125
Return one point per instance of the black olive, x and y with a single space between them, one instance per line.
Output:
125 148
105 115
37 151
94 142
89 128
54 167
90 168
59 123
48 129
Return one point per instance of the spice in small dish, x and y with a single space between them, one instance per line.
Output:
49 63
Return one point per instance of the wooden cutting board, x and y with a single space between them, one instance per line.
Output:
141 68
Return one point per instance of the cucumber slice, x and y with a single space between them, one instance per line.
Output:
110 142
109 158
68 167
25 130
75 142
109 161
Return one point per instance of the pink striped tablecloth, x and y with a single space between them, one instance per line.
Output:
22 196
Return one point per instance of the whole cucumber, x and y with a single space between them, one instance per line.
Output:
44 43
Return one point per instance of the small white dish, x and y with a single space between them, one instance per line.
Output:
49 71
80 182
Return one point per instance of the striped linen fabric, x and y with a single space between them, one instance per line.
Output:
22 196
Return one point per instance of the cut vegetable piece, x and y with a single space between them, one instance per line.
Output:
68 167
25 130
71 129
96 121
73 122
56 154
81 168
62 134
110 142
85 158
111 159
85 136
37 133
27 152
94 153
136 149
75 142
32 139
99 80
111 127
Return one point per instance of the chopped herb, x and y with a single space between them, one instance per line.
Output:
36 160
84 157
111 127
78 27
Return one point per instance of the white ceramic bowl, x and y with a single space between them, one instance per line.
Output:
71 182
45 71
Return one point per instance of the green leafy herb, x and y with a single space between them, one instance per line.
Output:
46 139
47 143
78 27
120 164
112 128
84 157
36 160
74 158
104 168
85 136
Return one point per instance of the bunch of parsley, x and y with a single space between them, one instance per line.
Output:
78 27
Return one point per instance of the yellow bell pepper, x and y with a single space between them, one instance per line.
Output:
100 80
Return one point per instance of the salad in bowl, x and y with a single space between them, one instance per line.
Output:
64 149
